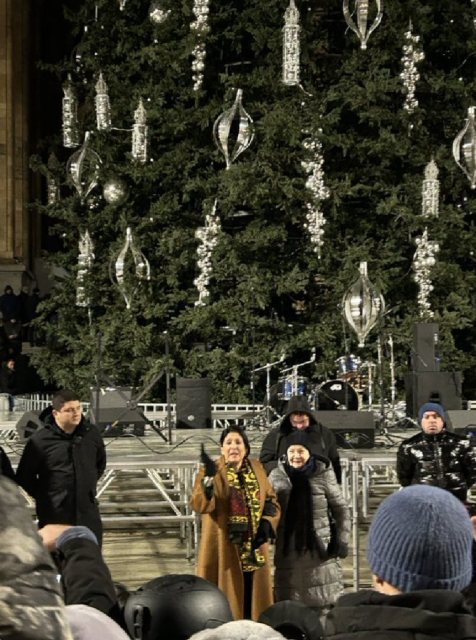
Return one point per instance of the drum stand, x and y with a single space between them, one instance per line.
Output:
268 410
294 369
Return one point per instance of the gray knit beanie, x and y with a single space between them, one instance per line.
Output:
421 538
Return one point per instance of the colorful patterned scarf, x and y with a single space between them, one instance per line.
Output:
244 514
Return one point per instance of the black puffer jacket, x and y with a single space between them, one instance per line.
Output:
418 615
445 460
60 471
321 438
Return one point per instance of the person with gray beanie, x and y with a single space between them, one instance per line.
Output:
419 551
436 456
239 630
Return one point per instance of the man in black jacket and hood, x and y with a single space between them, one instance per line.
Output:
300 416
419 551
61 465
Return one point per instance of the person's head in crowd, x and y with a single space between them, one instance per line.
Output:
67 409
11 364
88 623
235 446
432 418
420 538
299 413
298 449
239 630
8 290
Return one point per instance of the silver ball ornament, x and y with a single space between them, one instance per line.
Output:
115 191
157 15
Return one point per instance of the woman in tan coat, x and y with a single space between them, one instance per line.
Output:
240 514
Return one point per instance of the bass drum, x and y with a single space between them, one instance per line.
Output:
337 394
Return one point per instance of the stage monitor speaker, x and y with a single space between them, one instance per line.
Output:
110 408
194 403
352 429
28 424
462 422
443 387
425 357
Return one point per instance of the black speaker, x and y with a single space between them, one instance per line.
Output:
352 429
443 387
425 357
194 403
462 422
109 412
28 424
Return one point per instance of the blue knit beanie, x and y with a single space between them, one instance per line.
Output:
432 406
421 538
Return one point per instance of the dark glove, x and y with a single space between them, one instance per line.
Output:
264 533
338 549
210 467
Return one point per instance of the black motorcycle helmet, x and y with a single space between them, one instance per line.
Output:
175 607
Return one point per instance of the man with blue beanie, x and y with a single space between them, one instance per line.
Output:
437 456
419 551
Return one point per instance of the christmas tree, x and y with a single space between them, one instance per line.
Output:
338 134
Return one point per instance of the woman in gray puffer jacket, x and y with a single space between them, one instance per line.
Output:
307 557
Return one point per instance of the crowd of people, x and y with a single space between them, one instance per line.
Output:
17 313
420 550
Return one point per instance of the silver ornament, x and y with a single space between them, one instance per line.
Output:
128 280
362 29
140 134
363 305
157 15
222 130
115 191
70 116
83 167
291 46
464 148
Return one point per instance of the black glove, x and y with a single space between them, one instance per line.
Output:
264 533
338 549
210 467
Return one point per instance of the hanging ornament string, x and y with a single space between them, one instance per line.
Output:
85 262
313 166
103 105
410 75
464 148
201 27
140 134
423 262
222 130
125 281
52 182
362 29
363 305
425 255
83 167
208 236
70 116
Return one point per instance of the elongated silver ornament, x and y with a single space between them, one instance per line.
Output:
464 148
85 262
140 134
208 235
103 105
222 130
361 28
70 116
291 46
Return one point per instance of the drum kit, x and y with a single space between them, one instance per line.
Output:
352 389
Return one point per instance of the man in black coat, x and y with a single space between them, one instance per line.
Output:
61 465
300 416
419 551
437 456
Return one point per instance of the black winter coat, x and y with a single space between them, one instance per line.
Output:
445 460
418 615
321 438
60 471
